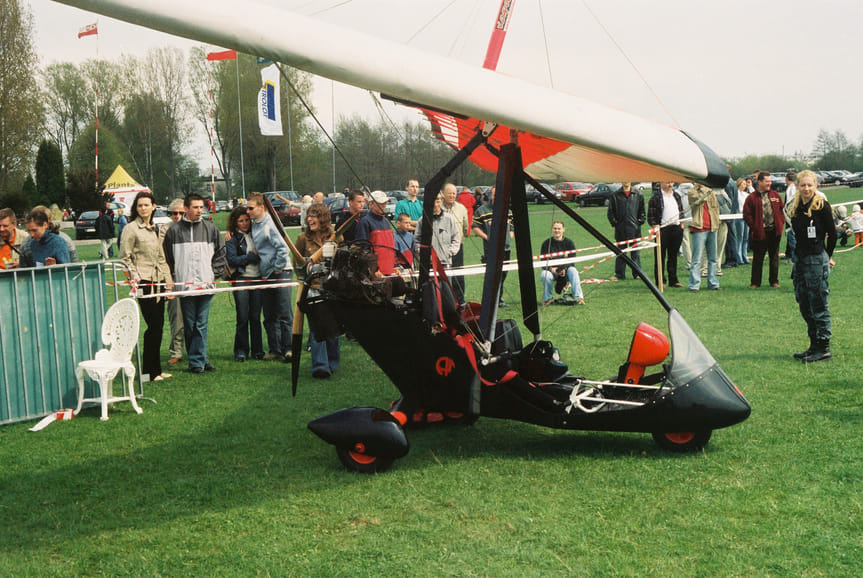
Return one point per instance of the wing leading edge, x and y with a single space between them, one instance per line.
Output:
580 140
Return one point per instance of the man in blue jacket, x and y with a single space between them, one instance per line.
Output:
276 268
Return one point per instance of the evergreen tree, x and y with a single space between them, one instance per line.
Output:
28 189
50 180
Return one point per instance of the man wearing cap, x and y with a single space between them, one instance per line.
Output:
375 229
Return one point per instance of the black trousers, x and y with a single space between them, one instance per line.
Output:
770 245
457 281
153 312
670 236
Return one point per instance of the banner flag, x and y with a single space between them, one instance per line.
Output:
88 30
269 110
223 55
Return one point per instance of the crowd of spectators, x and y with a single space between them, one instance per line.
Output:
190 254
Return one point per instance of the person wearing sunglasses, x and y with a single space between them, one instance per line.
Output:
177 210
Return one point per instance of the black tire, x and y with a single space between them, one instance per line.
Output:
363 463
682 442
79 235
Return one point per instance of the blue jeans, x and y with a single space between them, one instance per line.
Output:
698 242
738 228
248 304
548 279
325 354
278 313
742 257
196 315
790 243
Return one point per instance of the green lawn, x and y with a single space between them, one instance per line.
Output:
222 477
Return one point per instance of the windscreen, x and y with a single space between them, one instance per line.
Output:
689 357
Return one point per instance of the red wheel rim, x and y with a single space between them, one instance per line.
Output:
362 458
680 438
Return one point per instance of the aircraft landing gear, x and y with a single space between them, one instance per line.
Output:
363 463
683 442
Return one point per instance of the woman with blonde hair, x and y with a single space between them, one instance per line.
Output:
812 221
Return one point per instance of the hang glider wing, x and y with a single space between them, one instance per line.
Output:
567 137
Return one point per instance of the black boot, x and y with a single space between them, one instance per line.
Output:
821 352
801 354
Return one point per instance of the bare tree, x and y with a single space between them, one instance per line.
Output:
206 85
65 97
164 77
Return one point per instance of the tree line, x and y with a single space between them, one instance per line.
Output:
150 108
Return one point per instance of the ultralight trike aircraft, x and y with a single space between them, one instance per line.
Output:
464 361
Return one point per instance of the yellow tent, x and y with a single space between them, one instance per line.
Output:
123 186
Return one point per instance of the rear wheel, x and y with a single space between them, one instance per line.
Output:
363 463
682 442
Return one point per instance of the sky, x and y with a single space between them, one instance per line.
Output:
742 76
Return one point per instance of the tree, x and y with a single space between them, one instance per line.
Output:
834 151
20 112
84 191
50 182
66 103
163 76
29 190
106 86
112 152
207 80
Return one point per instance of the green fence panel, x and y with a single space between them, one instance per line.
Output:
50 320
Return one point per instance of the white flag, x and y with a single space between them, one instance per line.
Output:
269 110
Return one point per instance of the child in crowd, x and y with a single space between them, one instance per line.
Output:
840 219
855 219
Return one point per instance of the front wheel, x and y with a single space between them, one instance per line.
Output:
682 442
363 463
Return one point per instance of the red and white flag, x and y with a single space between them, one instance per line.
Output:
88 30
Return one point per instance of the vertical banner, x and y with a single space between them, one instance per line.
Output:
269 111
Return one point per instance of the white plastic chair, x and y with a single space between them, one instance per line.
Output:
120 335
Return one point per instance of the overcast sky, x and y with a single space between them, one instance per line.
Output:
743 76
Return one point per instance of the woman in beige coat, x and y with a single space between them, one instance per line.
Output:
141 250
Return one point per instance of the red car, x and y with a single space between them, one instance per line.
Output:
569 191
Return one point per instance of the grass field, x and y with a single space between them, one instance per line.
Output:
221 476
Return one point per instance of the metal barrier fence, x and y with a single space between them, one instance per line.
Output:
50 320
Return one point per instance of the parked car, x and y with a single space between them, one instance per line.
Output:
541 200
162 218
779 182
336 203
598 195
222 206
854 180
289 212
828 178
570 190
85 224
